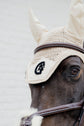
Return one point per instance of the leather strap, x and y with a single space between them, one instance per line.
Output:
56 110
59 44
60 109
81 118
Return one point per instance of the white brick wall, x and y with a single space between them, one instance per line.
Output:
16 49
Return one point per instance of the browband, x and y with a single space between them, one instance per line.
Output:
59 44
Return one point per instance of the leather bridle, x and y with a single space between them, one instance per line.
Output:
61 108
58 110
59 44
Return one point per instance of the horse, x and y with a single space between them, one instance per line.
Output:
56 73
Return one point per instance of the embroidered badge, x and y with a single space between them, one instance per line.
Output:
39 68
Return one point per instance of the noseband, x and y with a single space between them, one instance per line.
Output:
61 108
58 110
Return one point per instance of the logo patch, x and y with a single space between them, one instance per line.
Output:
39 68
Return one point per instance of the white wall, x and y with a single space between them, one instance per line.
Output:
16 49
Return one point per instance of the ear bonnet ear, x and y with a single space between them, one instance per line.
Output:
76 19
37 29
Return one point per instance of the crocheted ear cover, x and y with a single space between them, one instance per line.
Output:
46 61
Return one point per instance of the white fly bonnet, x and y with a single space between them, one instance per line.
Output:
47 60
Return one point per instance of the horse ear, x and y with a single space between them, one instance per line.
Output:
76 19
37 29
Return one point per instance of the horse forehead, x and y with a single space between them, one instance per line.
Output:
74 60
41 70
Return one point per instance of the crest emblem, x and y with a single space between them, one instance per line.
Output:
39 68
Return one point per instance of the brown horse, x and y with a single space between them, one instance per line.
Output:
56 73
65 86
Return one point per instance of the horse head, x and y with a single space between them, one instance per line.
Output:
56 73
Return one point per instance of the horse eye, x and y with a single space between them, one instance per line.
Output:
74 70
